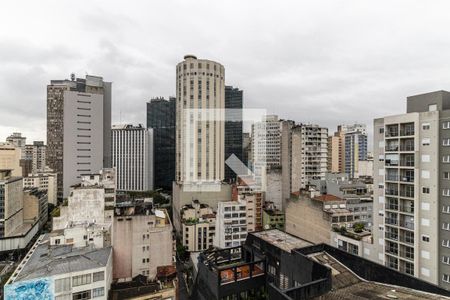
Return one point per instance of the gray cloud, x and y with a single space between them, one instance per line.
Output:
327 62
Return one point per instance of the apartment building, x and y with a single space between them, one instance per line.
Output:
36 153
309 154
266 144
231 224
11 204
198 224
412 188
142 240
346 147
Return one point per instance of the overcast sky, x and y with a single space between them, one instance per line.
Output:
327 62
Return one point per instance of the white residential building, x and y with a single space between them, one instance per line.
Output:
231 224
266 144
132 156
412 189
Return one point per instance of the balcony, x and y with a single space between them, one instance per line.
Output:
391 221
391 236
406 224
391 191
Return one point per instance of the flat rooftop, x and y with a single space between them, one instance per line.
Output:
347 286
282 240
48 260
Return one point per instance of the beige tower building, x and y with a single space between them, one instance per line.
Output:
200 127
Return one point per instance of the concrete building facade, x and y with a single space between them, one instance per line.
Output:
132 156
200 126
411 156
78 128
142 239
43 181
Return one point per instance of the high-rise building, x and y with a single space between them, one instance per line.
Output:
36 153
346 147
233 128
132 156
200 114
43 181
355 150
78 128
412 203
266 144
161 118
309 154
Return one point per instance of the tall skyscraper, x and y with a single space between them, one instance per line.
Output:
132 156
412 198
200 114
78 128
161 118
233 127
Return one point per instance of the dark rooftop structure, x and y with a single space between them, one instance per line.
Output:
275 265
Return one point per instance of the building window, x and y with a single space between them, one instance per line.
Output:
426 126
425 190
446 209
446 259
98 276
381 130
446 159
81 280
98 292
81 295
446 243
446 142
62 285
426 142
445 192
425 238
446 278
446 125
446 175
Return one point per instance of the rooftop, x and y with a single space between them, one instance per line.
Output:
347 286
282 239
46 260
327 197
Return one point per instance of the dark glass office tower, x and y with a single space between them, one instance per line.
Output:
161 117
233 127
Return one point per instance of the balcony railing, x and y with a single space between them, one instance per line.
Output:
405 224
407 240
407 193
391 221
407 178
391 192
407 209
392 177
391 236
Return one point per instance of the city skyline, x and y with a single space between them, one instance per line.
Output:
327 69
